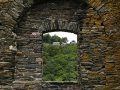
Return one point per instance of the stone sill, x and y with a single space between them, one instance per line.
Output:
60 82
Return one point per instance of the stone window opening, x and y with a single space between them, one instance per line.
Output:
53 71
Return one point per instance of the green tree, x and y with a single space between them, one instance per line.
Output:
46 38
55 38
64 39
59 63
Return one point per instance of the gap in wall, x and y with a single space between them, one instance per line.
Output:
59 56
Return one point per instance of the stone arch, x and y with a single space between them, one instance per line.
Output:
59 25
29 40
52 25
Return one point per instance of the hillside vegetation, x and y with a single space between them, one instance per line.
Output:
59 62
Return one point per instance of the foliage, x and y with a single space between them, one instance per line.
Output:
59 62
50 39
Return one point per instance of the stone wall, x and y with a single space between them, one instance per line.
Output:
107 16
96 22
60 86
10 11
40 19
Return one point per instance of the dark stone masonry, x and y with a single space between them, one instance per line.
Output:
96 24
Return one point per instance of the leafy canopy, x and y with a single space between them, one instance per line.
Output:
59 61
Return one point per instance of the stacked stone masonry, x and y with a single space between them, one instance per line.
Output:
96 23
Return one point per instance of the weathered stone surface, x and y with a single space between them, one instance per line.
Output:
60 86
96 22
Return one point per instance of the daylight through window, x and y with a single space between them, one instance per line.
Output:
59 56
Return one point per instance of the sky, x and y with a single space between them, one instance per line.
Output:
70 36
